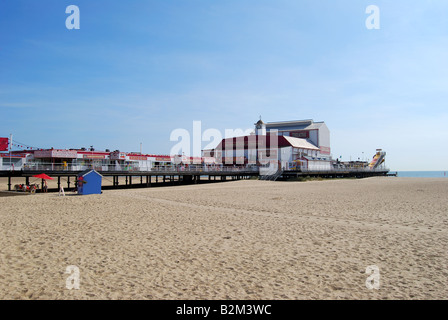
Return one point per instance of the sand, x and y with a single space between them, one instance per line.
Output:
233 240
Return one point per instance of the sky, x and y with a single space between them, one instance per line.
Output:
137 70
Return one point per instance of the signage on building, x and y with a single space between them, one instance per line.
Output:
4 144
300 134
7 155
325 150
71 154
94 156
116 155
138 158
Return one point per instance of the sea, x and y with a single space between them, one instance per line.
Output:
421 174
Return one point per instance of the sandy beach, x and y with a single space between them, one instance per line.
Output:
234 240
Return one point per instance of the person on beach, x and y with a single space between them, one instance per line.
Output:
45 186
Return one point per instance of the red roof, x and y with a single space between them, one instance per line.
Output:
257 141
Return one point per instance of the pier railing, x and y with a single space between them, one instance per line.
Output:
199 168
123 168
42 167
349 169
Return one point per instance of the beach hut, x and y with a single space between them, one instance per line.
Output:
89 182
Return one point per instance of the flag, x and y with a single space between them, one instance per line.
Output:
4 142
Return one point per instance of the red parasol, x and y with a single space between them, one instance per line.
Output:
43 176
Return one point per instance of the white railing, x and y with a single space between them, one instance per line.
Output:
79 167
10 167
201 168
349 169
269 169
124 168
263 170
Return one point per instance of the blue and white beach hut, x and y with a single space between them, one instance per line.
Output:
89 182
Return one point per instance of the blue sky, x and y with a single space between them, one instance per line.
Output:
137 70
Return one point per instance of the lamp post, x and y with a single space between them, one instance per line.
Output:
91 155
10 147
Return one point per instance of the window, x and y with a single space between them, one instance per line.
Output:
16 162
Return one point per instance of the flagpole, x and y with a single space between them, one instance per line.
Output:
10 144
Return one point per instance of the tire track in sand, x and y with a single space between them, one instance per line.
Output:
301 217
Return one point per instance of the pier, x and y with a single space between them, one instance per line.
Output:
137 179
335 173
172 176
